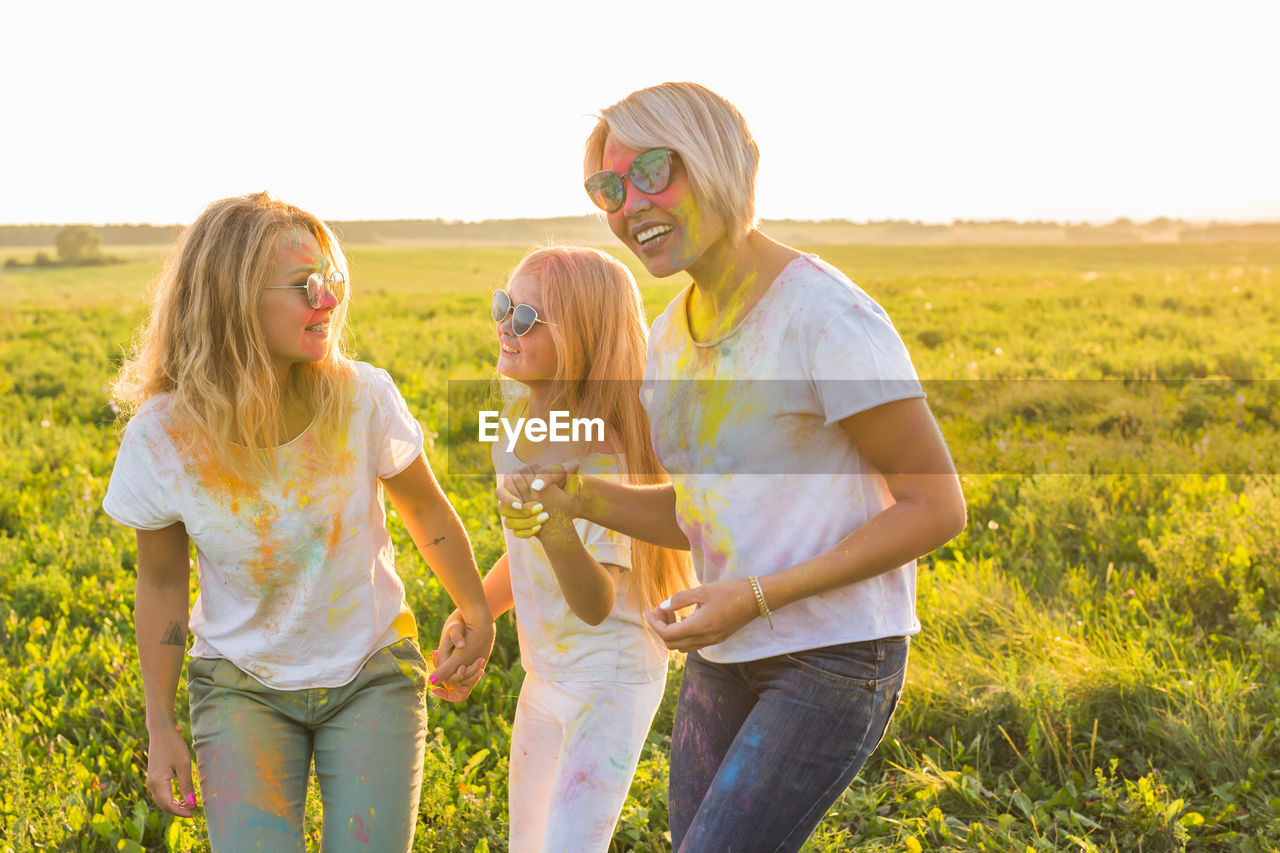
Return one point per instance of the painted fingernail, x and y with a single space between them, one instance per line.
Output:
666 605
535 508
435 679
543 516
537 485
191 800
515 504
536 529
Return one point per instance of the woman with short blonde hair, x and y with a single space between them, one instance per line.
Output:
807 477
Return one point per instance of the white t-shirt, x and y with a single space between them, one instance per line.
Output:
555 645
298 586
748 428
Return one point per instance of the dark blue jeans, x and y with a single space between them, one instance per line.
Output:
760 750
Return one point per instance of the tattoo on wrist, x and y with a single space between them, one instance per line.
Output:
174 635
435 541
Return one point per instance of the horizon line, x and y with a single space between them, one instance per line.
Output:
1067 223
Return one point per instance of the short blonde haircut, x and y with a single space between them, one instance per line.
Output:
204 347
709 134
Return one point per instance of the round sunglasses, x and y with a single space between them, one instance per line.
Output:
523 316
650 173
317 287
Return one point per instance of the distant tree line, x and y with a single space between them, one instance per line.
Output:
77 246
112 235
592 230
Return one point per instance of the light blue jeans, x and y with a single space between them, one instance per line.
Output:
254 748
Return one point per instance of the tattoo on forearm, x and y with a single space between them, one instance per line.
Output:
435 541
174 635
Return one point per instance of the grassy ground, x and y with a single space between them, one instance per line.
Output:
1098 665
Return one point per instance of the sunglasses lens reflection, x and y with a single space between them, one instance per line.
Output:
523 319
315 290
606 190
500 306
651 171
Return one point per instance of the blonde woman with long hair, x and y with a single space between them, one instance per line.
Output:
808 476
571 337
254 436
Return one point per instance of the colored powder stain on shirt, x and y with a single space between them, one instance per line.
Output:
716 402
207 469
336 615
405 624
267 561
334 536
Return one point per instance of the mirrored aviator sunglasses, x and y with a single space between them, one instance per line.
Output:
650 173
523 316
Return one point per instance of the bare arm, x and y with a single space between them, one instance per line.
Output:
588 587
497 592
901 440
160 613
497 587
443 543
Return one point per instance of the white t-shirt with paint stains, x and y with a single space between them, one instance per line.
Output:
748 428
298 585
555 645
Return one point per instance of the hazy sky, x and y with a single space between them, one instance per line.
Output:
138 111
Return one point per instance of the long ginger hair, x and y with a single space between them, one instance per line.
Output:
601 338
203 344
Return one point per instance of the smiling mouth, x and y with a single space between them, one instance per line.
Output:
318 327
505 347
650 235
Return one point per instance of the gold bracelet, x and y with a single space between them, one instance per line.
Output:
760 602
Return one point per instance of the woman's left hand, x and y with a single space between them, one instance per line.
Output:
720 610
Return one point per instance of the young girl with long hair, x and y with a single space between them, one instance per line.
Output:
571 338
257 438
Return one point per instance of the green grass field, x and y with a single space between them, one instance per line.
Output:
1100 662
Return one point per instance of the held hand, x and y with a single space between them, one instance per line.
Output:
720 609
452 636
465 678
525 497
169 760
459 662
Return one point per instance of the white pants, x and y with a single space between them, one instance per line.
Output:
574 749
